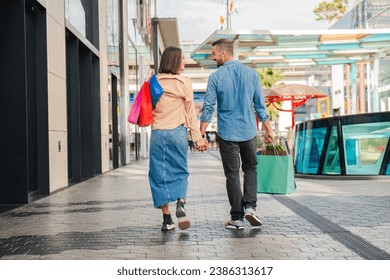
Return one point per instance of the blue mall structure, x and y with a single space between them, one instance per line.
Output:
344 145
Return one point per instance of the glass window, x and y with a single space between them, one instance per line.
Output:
332 158
309 144
113 35
365 146
75 14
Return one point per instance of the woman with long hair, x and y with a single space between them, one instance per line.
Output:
173 116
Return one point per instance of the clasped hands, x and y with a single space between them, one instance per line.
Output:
202 145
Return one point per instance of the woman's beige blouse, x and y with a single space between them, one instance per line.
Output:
176 105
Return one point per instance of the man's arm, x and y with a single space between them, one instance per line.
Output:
208 105
203 127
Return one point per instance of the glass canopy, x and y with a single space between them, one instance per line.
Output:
290 48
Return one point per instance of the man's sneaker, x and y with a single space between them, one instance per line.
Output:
234 224
167 223
250 215
184 222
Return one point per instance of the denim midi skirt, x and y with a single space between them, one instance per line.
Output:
168 170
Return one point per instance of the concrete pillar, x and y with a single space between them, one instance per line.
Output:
353 88
369 90
124 82
347 89
362 89
374 81
338 89
57 95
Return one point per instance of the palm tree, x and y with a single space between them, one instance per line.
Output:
268 78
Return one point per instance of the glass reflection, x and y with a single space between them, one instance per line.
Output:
365 146
75 14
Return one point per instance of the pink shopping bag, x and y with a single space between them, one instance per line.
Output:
136 108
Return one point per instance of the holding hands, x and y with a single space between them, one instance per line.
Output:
202 145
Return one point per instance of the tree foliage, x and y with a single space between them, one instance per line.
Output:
330 10
268 78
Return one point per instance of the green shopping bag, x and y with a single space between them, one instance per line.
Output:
275 174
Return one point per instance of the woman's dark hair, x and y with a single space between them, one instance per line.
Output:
170 61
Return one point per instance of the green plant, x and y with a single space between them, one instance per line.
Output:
330 10
268 78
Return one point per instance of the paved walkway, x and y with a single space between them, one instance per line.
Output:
111 217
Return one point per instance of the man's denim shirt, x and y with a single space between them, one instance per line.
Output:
236 89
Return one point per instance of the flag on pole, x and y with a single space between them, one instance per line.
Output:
221 20
231 7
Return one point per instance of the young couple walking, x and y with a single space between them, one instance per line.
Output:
236 89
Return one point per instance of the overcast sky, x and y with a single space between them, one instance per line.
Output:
198 19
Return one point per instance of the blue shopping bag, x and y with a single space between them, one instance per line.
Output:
155 89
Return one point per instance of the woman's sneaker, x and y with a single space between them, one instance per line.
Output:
250 215
167 223
184 222
235 224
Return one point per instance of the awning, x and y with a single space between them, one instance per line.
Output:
295 93
291 48
169 31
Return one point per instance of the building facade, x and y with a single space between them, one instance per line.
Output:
72 71
57 85
373 78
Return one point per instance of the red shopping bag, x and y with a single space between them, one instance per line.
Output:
141 112
146 111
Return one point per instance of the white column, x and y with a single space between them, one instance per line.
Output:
57 110
338 88
105 145
353 88
369 90
374 81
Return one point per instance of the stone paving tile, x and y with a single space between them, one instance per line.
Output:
112 217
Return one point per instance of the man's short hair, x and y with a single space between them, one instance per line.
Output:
224 44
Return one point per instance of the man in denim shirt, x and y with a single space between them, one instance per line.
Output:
236 89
